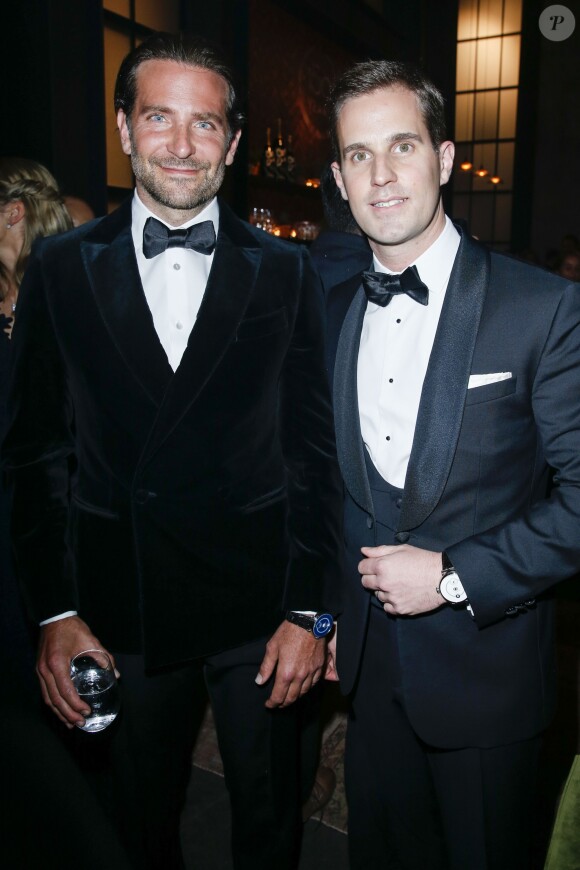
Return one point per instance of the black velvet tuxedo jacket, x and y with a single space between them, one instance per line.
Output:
179 514
476 486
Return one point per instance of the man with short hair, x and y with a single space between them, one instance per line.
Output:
456 376
175 483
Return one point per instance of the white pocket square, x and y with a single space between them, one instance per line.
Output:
493 378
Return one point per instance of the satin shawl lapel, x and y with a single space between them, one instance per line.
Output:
445 386
349 441
230 285
109 257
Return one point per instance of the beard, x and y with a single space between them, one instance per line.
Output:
178 193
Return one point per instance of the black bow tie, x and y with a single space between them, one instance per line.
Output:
157 238
380 287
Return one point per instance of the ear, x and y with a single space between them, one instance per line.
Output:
446 158
14 212
123 128
338 178
231 152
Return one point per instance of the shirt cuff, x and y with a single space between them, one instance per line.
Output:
60 616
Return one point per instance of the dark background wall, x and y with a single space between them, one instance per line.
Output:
53 54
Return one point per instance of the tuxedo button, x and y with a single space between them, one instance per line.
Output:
402 537
142 496
399 502
370 522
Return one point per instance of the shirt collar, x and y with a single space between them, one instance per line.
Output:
435 264
140 213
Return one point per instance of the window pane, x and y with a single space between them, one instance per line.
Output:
461 208
482 216
158 16
461 177
488 59
466 66
508 102
505 164
503 217
117 45
510 61
486 115
490 18
467 20
464 117
512 16
483 155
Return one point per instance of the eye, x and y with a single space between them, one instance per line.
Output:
156 117
205 125
360 156
403 148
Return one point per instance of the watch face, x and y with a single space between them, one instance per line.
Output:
452 589
322 625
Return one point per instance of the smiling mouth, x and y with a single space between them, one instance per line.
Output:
389 203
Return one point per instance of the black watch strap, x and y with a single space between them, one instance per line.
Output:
320 624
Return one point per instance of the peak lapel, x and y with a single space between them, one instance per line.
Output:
231 282
109 257
445 386
349 443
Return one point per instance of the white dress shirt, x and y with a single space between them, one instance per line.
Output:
395 347
174 282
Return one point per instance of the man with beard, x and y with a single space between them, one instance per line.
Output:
175 487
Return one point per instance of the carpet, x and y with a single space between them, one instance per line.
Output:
206 754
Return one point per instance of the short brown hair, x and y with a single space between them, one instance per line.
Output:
372 75
188 50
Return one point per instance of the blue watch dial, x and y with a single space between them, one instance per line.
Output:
322 624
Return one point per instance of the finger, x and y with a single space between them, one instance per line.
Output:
62 693
267 667
381 550
278 694
370 581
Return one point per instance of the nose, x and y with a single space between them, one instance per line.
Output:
181 143
383 171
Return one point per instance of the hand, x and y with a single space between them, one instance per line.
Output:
403 578
298 659
331 673
59 642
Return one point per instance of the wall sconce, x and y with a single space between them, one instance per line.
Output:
495 179
481 172
466 165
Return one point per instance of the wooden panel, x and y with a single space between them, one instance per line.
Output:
119 173
158 15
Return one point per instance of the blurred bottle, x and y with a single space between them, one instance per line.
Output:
269 156
280 151
290 160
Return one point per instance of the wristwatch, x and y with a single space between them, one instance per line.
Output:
450 586
320 624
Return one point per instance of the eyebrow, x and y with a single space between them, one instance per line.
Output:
199 116
396 137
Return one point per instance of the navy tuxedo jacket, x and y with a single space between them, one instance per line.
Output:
180 514
477 486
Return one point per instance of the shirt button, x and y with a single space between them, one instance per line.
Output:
388 438
398 319
179 325
390 380
177 267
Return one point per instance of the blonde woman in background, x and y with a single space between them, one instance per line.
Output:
31 205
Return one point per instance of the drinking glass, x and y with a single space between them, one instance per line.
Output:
93 677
